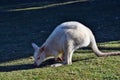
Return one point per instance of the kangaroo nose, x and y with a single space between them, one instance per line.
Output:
35 64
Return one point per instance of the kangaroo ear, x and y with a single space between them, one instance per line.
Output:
42 49
35 47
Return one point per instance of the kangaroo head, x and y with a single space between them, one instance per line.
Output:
39 54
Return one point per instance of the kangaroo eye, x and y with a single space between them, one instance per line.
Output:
38 57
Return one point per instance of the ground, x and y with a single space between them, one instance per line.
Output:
27 22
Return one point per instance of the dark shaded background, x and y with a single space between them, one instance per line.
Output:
19 29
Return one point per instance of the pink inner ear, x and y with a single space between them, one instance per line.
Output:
42 49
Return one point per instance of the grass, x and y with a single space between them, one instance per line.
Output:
25 23
86 66
47 6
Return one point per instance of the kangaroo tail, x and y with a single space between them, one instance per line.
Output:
95 49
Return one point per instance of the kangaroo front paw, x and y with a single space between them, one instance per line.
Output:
59 59
56 65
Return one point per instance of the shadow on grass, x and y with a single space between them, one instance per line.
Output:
16 67
89 50
46 63
88 58
107 48
26 66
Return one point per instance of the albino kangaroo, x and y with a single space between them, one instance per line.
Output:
65 39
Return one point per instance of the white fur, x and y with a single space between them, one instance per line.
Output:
66 38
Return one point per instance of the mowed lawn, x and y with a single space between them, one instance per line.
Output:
86 66
22 24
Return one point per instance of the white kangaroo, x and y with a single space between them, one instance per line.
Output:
65 39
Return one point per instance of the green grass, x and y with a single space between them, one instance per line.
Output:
47 6
22 24
86 66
